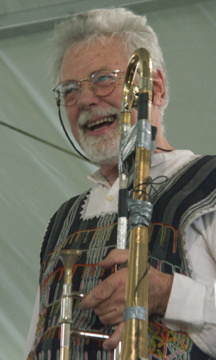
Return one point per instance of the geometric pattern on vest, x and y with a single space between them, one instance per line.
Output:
96 237
178 202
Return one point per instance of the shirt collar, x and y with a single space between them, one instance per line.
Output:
158 158
99 178
161 157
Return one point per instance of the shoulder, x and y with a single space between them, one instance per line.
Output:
200 180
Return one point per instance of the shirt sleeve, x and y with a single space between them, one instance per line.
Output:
32 328
192 304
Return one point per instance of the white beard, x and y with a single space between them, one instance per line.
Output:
103 149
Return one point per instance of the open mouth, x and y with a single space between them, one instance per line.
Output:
101 123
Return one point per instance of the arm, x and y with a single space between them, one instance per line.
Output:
188 303
198 314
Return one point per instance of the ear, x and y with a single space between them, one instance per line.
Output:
159 88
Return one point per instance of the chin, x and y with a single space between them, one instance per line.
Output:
102 155
103 150
107 161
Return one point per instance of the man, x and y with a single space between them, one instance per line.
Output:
91 54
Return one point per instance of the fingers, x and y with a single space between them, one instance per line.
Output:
114 339
108 295
100 293
112 318
106 288
115 257
111 311
107 299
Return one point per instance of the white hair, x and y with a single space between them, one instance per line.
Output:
87 27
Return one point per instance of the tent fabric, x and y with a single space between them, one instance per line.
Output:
36 177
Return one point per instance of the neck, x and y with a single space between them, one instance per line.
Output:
110 172
161 142
163 145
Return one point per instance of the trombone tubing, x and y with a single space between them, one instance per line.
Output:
135 327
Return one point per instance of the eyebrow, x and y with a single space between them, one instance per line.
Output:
103 68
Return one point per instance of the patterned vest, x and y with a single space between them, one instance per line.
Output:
177 203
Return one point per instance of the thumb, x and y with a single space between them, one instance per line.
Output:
114 339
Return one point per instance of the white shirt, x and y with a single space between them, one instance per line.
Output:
192 303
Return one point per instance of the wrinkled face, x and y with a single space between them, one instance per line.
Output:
94 120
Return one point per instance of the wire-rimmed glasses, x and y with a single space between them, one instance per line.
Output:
102 83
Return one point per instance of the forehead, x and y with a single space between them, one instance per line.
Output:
81 60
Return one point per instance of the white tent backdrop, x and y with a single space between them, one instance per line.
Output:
36 178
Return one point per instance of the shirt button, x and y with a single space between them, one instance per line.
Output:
110 198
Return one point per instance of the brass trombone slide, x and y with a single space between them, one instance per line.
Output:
135 326
69 258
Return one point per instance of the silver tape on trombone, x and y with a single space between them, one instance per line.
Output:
122 233
127 146
140 212
124 128
135 312
123 179
144 134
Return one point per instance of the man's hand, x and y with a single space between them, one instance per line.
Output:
107 299
159 289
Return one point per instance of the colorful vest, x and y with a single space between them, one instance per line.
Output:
176 204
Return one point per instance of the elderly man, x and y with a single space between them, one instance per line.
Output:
91 52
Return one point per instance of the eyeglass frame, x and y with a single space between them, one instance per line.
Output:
79 83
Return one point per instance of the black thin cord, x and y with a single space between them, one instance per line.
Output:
159 180
135 291
166 150
66 133
39 139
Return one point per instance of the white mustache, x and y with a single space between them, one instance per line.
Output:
87 115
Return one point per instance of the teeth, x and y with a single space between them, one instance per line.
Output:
106 119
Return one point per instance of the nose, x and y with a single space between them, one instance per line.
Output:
87 98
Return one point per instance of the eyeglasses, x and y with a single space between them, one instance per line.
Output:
102 83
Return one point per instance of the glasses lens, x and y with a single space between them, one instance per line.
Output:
104 82
69 92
